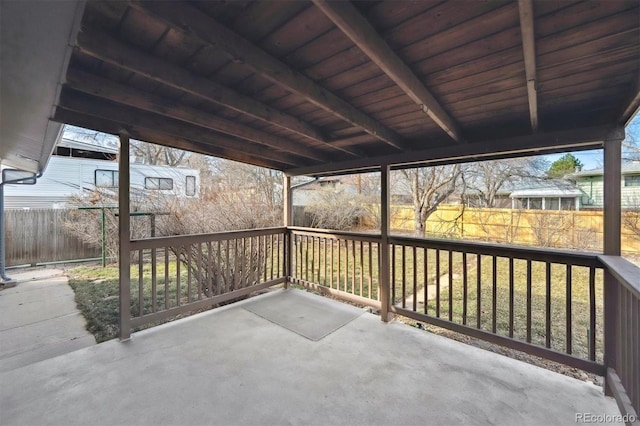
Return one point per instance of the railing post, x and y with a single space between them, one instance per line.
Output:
124 253
612 224
384 288
288 221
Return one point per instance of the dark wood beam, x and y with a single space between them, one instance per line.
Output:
631 107
102 46
107 89
134 118
361 32
75 118
194 23
529 50
512 147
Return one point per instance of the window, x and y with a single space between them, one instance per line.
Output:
568 204
632 180
552 203
535 203
190 188
158 183
106 178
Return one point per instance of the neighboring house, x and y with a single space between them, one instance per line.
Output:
548 194
81 169
591 183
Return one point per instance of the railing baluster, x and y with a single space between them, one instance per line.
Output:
494 293
361 268
438 283
353 266
140 284
529 297
209 269
154 281
189 274
592 313
331 264
250 274
199 278
306 259
313 259
324 250
465 276
346 266
511 296
393 274
548 305
415 280
478 291
450 285
404 276
166 277
265 259
338 243
272 258
425 261
178 281
219 276
227 286
568 311
370 271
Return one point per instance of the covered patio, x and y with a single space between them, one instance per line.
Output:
320 88
231 366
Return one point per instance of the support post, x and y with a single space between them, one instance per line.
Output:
612 223
124 253
288 221
383 286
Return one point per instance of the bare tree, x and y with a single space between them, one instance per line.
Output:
158 155
335 208
486 178
429 187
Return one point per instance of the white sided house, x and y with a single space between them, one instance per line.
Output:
78 169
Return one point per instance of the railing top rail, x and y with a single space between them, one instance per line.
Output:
329 233
508 251
175 240
625 272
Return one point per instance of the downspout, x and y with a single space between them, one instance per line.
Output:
3 276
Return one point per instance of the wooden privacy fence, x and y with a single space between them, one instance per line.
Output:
38 236
580 230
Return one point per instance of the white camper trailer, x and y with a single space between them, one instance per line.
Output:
81 169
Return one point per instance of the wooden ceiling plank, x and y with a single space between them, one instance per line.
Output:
362 33
103 88
525 8
134 118
104 47
192 21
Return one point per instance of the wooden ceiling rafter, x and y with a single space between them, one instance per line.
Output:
106 48
206 29
121 94
86 104
361 32
525 8
222 149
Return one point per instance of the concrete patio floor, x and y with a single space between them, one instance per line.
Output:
230 366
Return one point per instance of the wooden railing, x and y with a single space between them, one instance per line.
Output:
544 302
179 274
622 328
344 264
